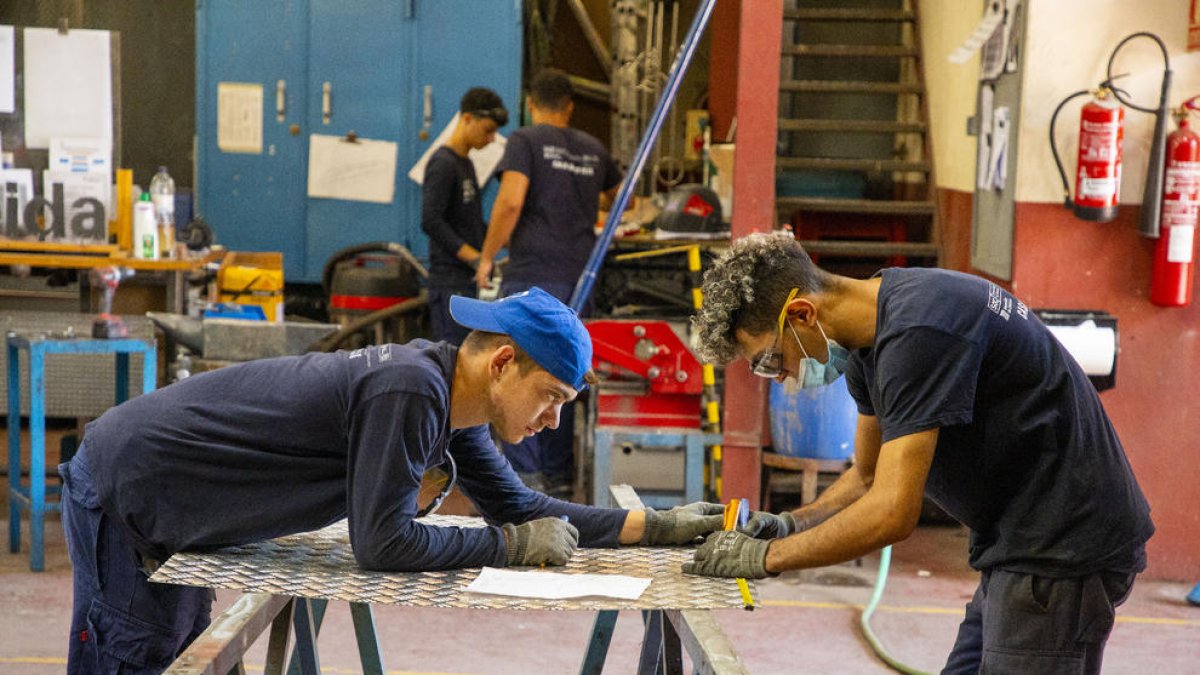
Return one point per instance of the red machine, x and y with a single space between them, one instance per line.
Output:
1098 171
651 379
1175 250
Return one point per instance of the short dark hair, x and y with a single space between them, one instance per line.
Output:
551 89
480 98
480 340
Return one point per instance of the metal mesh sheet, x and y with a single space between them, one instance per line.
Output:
320 565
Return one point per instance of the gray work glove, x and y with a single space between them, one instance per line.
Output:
730 554
545 540
763 525
682 524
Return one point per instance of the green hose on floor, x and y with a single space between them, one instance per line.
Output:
885 561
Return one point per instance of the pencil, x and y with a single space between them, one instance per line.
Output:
735 512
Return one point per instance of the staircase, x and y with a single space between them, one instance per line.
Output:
854 170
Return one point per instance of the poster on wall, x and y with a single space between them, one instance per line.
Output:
1194 27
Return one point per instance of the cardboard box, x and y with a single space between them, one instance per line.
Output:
253 279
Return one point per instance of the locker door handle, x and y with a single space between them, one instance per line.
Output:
326 103
280 100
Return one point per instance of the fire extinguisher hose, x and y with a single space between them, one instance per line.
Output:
1062 173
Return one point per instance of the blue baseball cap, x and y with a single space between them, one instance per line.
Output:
549 331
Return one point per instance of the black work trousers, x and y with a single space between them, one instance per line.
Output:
1027 624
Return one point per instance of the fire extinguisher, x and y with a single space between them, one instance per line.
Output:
1098 169
1175 250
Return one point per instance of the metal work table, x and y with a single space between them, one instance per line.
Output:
315 567
34 497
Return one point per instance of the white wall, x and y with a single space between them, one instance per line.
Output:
1067 46
951 88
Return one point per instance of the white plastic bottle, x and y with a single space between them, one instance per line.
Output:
145 229
162 191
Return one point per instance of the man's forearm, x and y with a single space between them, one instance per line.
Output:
851 532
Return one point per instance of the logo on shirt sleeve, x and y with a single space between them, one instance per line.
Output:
1004 305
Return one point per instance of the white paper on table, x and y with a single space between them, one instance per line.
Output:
81 155
993 15
556 586
240 117
485 159
8 68
361 170
76 186
68 85
22 179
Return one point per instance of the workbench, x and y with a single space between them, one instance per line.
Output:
67 256
291 579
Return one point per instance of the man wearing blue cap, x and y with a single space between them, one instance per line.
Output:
278 446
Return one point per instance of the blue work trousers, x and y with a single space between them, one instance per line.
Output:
1034 625
445 328
120 622
551 452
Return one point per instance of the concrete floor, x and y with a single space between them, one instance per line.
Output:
806 622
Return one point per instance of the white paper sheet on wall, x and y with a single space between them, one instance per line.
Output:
68 85
8 65
485 159
81 155
78 186
240 117
361 170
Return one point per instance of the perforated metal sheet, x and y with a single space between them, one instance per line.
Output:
321 565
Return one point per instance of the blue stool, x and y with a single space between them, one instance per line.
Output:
33 498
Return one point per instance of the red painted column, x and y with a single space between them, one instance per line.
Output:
760 32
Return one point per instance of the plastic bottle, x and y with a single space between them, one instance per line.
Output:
145 229
162 191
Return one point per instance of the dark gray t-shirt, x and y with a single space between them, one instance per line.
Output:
567 170
451 215
1026 456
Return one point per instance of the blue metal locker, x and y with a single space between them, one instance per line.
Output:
374 58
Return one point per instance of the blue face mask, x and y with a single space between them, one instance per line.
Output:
813 373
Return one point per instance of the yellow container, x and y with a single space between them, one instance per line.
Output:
253 279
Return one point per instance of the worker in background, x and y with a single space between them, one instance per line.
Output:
451 210
278 446
964 396
552 179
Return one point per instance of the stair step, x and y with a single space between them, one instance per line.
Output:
847 15
850 87
847 249
847 164
851 126
875 206
879 51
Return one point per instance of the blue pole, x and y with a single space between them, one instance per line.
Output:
583 288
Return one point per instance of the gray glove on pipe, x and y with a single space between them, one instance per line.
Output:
545 540
730 554
682 524
763 525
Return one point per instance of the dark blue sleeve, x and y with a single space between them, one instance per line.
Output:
489 481
856 383
926 379
392 438
518 156
437 190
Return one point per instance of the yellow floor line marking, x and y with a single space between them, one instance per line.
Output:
958 612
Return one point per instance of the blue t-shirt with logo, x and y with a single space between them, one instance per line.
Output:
451 215
1026 456
567 170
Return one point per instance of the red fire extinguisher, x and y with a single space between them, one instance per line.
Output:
1175 250
1098 173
